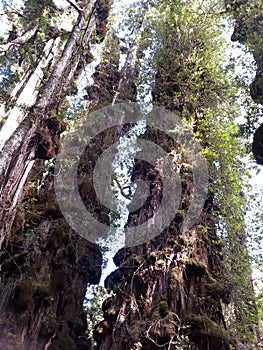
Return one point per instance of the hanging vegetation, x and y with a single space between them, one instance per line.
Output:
184 289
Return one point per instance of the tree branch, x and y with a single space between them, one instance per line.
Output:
15 11
19 40
76 7
127 196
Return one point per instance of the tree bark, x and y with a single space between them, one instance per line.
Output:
45 265
171 292
22 123
20 40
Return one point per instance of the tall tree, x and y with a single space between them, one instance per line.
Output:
183 289
45 266
187 289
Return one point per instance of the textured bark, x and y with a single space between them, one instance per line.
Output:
257 146
170 293
166 289
170 287
24 122
45 266
60 66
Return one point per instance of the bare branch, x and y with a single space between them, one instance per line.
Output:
76 7
128 196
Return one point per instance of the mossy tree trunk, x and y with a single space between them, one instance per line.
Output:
172 292
30 124
45 266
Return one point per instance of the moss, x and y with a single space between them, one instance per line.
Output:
22 297
163 308
89 57
43 294
202 325
164 328
43 141
218 289
55 125
138 260
136 328
29 291
195 267
49 326
58 237
102 12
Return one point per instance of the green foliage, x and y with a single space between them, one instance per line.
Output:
33 10
93 306
8 80
20 57
249 23
259 301
193 80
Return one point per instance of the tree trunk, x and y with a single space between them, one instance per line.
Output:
172 292
169 292
45 266
22 123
